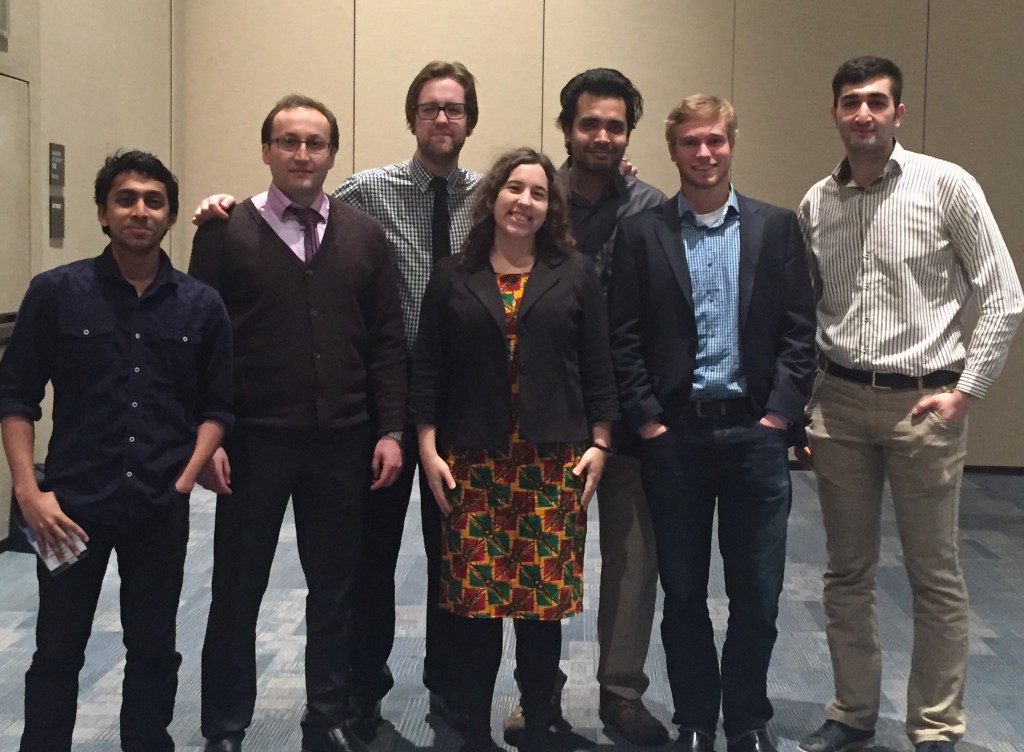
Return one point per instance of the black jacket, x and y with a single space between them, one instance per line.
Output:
460 369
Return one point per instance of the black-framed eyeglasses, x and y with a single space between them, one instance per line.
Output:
291 144
430 110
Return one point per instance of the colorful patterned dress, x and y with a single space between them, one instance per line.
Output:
513 544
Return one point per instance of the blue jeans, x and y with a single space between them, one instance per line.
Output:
744 467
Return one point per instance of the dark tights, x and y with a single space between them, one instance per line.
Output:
538 646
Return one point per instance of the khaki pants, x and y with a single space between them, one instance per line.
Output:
861 435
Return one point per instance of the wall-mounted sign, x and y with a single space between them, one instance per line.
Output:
56 217
56 163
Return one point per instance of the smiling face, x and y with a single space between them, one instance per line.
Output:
701 151
136 214
598 137
299 174
867 117
439 141
521 205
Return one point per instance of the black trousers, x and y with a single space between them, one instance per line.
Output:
150 562
326 473
374 623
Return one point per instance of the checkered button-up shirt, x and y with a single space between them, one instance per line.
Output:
399 196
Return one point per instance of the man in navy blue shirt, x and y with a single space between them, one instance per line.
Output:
139 357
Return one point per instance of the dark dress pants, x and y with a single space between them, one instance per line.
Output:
743 466
326 473
374 618
150 563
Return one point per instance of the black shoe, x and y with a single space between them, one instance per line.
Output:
333 740
936 746
227 743
834 736
363 718
632 720
752 741
444 708
691 740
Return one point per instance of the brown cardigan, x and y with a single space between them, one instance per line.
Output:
317 346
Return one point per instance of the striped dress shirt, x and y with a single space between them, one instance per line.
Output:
399 196
896 263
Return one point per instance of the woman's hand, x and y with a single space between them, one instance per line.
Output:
439 478
589 468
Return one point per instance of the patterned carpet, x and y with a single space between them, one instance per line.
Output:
992 523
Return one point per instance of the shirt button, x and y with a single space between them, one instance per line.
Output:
85 332
128 474
131 439
135 404
313 313
184 339
136 369
316 356
137 335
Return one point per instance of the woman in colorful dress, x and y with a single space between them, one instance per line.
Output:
513 396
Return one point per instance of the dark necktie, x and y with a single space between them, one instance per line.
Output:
440 226
309 219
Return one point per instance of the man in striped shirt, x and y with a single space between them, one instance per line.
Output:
899 243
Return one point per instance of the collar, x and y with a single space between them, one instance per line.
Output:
277 202
421 177
896 164
688 215
618 188
106 268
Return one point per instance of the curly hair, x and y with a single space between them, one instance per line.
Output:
554 237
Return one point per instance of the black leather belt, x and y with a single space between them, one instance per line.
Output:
719 408
931 380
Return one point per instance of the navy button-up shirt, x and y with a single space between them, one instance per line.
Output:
133 376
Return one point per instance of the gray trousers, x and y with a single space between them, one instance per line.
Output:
629 579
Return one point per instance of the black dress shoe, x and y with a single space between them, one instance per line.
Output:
691 740
229 743
445 708
364 718
752 741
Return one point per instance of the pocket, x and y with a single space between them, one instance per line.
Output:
180 349
86 347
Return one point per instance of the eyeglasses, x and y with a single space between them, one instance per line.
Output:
291 144
430 110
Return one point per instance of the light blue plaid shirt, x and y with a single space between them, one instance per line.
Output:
713 258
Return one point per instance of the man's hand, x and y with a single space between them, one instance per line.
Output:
950 406
386 463
216 474
50 525
627 168
652 428
805 456
213 207
771 420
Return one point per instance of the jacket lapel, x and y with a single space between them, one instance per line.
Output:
543 277
751 235
668 231
482 284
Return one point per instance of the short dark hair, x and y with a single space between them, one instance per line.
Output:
864 68
438 69
601 82
141 162
292 101
554 237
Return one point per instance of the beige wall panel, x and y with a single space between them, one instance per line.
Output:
232 62
973 118
104 84
786 54
15 247
500 43
668 48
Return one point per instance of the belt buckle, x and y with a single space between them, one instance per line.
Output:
699 406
